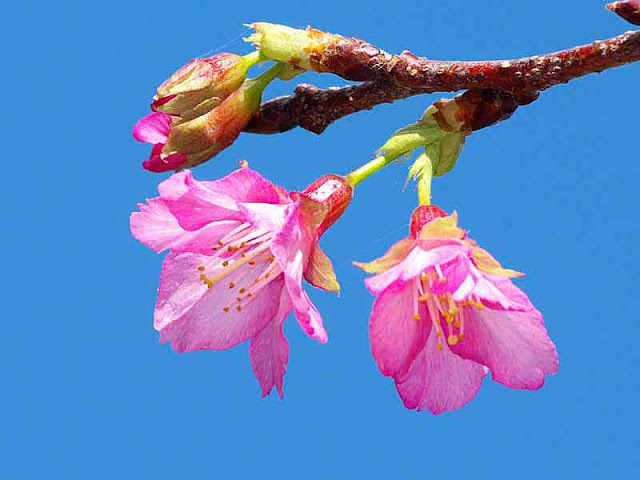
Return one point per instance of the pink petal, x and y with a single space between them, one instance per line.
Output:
204 202
158 163
439 380
424 256
396 337
291 246
499 293
154 225
191 317
269 350
175 185
153 128
514 345
265 216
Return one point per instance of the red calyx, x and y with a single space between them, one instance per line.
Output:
333 191
423 215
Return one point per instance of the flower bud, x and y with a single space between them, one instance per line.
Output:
423 215
183 144
202 84
334 192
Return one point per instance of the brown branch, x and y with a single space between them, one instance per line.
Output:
629 10
392 77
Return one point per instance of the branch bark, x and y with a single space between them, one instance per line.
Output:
392 77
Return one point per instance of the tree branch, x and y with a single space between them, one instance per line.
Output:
391 77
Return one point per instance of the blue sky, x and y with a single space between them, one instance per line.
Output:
89 392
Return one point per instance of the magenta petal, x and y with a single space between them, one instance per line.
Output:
514 345
191 317
153 128
439 380
396 337
269 350
291 247
158 163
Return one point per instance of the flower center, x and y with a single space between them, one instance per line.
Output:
245 246
447 315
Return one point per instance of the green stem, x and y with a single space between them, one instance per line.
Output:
368 169
252 58
267 77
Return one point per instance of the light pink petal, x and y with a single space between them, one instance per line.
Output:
514 345
154 225
291 247
175 185
499 293
265 216
153 128
191 317
396 336
423 256
248 186
269 350
439 380
204 202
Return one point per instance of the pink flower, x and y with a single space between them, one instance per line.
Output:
446 313
238 250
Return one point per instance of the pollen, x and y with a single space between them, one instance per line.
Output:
440 347
266 275
203 277
479 305
225 263
257 279
239 298
220 243
229 249
239 308
214 248
231 285
249 294
226 309
271 258
251 262
242 290
452 340
416 316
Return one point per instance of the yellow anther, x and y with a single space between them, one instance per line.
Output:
225 263
201 268
440 347
220 243
242 290
424 277
249 294
442 279
452 340
457 323
449 319
416 316
460 336
251 262
266 275
453 311
203 277
438 333
424 297
229 249
239 298
257 279
231 285
242 245
239 308
271 258
244 255
214 248
479 305
226 309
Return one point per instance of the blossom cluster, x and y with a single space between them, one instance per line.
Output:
240 249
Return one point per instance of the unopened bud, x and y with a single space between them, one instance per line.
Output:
202 84
334 192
